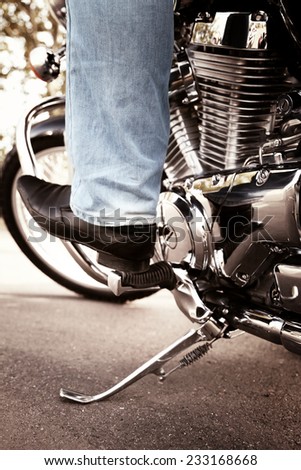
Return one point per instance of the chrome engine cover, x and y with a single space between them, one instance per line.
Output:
258 220
288 284
184 232
239 229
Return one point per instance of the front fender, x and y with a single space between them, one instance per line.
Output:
52 125
45 118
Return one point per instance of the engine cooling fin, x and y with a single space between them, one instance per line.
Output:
238 92
239 77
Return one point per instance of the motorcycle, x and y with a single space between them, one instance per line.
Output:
229 235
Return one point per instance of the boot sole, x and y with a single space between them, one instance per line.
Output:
60 230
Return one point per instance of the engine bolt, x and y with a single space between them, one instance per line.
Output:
262 177
215 179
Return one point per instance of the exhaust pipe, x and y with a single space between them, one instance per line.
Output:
274 329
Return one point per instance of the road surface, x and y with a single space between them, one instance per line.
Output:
244 394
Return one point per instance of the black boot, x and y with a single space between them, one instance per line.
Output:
124 248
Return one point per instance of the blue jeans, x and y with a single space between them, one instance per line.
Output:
119 56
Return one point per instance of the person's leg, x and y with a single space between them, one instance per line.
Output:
119 58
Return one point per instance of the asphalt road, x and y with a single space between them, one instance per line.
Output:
244 394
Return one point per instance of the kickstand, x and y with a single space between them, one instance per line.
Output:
152 366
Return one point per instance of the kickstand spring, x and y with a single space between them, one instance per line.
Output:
152 366
190 358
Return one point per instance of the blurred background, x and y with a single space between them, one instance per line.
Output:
24 25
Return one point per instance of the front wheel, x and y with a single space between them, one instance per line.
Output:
45 252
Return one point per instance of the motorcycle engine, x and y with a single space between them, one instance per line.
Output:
245 99
232 207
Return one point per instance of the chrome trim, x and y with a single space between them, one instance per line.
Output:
270 229
188 299
213 31
184 232
269 327
291 337
288 280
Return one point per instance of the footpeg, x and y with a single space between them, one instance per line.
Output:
158 275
